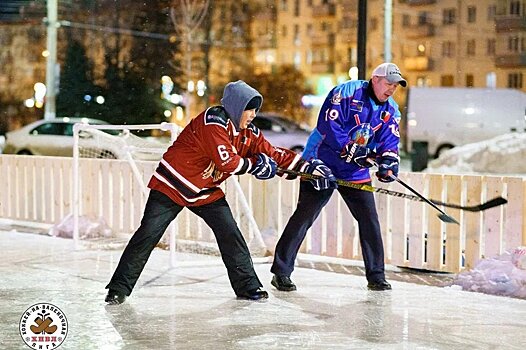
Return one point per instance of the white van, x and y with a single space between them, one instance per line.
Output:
441 118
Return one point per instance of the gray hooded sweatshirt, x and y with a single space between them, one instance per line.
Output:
236 96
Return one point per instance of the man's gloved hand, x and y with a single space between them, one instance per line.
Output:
387 165
327 181
264 168
353 152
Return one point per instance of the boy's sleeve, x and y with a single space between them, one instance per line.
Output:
285 158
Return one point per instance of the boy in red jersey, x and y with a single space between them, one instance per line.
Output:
218 143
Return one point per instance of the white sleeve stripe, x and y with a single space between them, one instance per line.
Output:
239 166
296 159
249 164
391 154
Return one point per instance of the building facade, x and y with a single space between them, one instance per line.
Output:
457 43
449 43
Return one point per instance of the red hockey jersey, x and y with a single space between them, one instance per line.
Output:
207 152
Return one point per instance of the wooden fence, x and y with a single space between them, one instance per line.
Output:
39 189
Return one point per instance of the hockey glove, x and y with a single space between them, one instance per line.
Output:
353 152
387 166
327 181
264 168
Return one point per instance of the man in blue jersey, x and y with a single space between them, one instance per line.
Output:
357 123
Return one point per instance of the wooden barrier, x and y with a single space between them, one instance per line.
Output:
39 189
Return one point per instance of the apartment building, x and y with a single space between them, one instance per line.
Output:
436 43
468 43
318 37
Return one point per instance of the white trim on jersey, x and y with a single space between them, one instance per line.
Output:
181 177
295 161
241 164
191 200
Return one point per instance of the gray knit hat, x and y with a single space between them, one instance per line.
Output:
237 96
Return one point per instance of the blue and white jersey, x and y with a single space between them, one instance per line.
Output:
349 114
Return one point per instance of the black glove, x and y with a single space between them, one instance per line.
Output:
317 167
353 152
264 168
388 161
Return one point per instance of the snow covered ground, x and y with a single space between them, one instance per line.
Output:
193 306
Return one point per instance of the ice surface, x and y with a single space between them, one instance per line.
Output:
194 307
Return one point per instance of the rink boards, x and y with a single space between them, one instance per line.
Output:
39 189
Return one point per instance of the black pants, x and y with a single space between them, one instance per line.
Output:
159 212
310 203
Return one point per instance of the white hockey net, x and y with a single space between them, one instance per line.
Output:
111 186
120 144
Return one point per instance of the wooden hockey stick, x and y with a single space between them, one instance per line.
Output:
495 202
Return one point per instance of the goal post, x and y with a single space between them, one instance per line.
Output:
112 142
120 166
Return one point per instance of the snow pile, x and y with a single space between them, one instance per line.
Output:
500 155
504 275
89 227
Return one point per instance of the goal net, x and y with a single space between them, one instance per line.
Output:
111 168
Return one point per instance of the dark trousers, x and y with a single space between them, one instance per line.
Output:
310 203
159 212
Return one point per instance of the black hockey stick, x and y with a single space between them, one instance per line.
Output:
495 202
442 216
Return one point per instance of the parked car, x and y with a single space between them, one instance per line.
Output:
282 132
52 137
55 138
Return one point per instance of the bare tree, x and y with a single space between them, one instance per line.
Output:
187 16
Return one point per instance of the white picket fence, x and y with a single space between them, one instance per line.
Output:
39 189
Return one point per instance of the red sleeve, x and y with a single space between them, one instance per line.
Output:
284 157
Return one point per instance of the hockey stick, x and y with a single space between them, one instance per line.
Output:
495 202
442 216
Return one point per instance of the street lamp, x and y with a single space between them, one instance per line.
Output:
199 88
40 93
51 63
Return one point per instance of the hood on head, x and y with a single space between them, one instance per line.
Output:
236 96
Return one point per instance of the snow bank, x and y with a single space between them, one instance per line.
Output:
506 274
503 275
503 154
89 227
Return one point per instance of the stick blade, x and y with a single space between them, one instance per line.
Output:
495 202
448 219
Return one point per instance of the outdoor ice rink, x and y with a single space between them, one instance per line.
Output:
195 308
